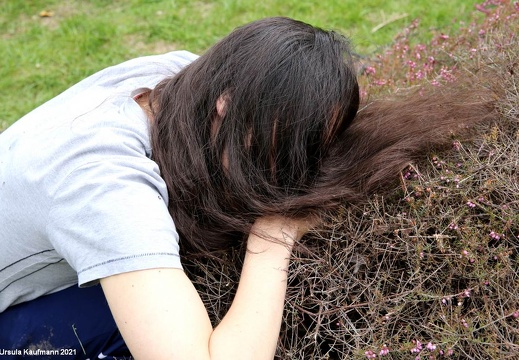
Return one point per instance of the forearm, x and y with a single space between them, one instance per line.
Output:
250 329
161 316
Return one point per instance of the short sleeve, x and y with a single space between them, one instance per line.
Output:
110 216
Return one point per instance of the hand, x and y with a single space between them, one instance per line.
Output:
284 230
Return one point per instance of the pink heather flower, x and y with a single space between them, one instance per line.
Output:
466 293
370 70
450 352
370 354
516 5
465 252
494 235
515 314
453 226
435 83
384 351
411 64
444 301
428 68
444 37
420 74
447 75
414 24
430 346
417 348
470 204
464 323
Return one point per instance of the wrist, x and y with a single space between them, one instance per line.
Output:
275 230
270 244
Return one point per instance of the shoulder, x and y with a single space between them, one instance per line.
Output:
162 65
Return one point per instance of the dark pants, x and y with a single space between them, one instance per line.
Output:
71 324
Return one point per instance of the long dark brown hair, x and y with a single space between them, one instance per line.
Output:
282 143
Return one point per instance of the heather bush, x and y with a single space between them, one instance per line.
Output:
429 270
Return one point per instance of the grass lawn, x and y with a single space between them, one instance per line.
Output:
49 45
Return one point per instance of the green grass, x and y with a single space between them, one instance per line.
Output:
42 56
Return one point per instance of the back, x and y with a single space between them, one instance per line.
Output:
50 161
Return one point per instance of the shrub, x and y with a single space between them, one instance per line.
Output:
429 271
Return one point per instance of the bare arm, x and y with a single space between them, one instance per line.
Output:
161 316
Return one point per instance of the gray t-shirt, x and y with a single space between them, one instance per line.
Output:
80 198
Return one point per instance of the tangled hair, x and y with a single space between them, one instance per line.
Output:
280 141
